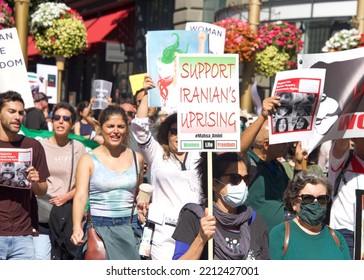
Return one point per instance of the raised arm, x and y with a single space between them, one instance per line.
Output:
247 137
148 84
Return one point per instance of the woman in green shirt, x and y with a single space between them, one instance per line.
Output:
306 237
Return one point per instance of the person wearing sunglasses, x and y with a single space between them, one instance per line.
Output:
239 232
308 238
62 156
173 175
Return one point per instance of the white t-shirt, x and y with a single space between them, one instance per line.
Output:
173 187
344 204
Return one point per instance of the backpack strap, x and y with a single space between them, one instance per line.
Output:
332 232
286 236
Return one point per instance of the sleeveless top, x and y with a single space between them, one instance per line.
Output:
85 128
112 193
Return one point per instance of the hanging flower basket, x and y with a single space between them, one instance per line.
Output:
281 42
6 16
240 38
58 30
270 61
344 40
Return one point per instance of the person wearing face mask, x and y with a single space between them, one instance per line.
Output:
239 233
308 238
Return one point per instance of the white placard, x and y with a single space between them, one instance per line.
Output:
300 93
13 71
208 104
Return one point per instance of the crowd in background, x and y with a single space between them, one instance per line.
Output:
260 196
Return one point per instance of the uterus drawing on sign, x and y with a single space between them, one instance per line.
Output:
167 70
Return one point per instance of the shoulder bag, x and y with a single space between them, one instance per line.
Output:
105 242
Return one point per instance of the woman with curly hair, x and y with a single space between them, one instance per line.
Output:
173 175
306 237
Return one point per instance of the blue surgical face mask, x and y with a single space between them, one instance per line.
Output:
236 194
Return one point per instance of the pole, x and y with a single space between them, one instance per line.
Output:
248 69
21 22
60 67
360 16
210 243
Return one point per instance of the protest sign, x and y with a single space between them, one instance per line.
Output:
341 110
47 75
300 92
101 90
136 82
13 167
162 47
216 35
208 103
13 72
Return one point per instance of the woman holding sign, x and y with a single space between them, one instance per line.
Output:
173 175
238 231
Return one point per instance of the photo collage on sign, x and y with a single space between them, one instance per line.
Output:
295 113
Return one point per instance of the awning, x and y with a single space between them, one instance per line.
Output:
31 47
97 29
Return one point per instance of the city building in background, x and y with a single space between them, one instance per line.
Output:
116 34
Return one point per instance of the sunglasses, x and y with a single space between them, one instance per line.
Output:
235 178
308 199
173 131
130 114
65 118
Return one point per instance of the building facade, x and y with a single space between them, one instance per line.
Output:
116 33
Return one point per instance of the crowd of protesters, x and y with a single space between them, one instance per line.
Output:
259 194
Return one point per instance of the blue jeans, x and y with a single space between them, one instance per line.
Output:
99 221
349 238
43 247
17 248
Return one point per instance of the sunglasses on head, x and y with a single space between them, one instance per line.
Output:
235 178
65 118
308 199
173 131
